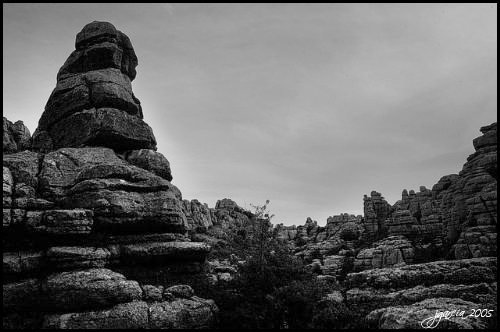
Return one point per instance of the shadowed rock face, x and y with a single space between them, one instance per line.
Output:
93 103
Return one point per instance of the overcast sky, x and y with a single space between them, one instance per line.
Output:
308 105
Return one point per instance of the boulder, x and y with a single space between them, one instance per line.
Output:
89 289
182 291
152 161
96 42
152 293
190 313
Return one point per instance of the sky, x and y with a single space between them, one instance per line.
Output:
310 106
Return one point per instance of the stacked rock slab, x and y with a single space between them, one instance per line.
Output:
376 210
417 291
90 206
93 103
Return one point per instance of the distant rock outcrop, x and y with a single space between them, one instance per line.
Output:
90 214
376 255
226 215
16 137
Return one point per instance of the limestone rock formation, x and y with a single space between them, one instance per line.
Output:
472 280
311 241
459 207
199 216
403 250
376 210
388 252
150 160
286 233
224 216
93 103
91 207
421 315
478 241
455 219
472 199
16 137
228 214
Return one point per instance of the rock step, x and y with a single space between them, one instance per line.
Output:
178 314
75 257
120 303
145 252
468 271
420 315
84 290
66 291
377 298
58 222
22 262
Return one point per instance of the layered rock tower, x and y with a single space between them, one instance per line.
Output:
93 103
90 207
